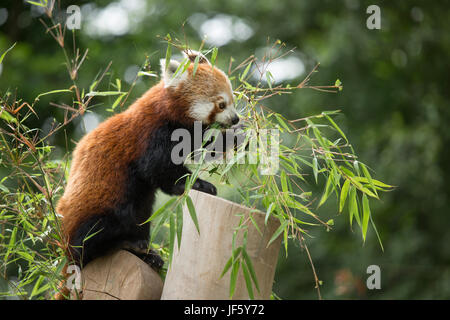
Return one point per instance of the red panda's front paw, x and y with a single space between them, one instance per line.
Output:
204 186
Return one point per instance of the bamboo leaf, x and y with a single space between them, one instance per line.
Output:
34 292
215 51
11 245
42 3
249 264
282 122
92 86
368 177
248 281
356 166
346 171
244 74
192 212
52 92
4 188
353 206
5 115
285 241
335 126
283 179
4 53
179 211
147 74
171 237
269 78
315 168
92 235
376 232
233 277
182 67
268 212
278 232
227 267
327 191
375 182
366 215
95 93
160 210
196 62
344 193
369 192
235 254
252 219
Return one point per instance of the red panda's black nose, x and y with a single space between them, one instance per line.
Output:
235 120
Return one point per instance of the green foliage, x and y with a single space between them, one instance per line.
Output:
28 235
279 193
394 111
314 143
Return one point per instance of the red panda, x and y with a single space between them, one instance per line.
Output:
118 167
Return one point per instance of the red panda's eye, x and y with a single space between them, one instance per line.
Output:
222 105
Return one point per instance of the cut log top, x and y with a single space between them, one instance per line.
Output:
198 263
120 276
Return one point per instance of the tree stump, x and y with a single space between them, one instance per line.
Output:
120 276
198 263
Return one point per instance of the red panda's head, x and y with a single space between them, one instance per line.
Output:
205 96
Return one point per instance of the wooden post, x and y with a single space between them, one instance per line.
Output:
120 276
196 267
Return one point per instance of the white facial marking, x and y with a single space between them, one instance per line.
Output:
226 115
200 110
225 98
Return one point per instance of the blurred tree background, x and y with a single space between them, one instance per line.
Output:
394 109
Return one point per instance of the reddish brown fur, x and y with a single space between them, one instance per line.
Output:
99 166
97 179
207 82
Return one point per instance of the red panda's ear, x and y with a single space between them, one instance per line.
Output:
192 55
168 73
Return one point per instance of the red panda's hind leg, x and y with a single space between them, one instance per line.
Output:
103 233
140 249
153 259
